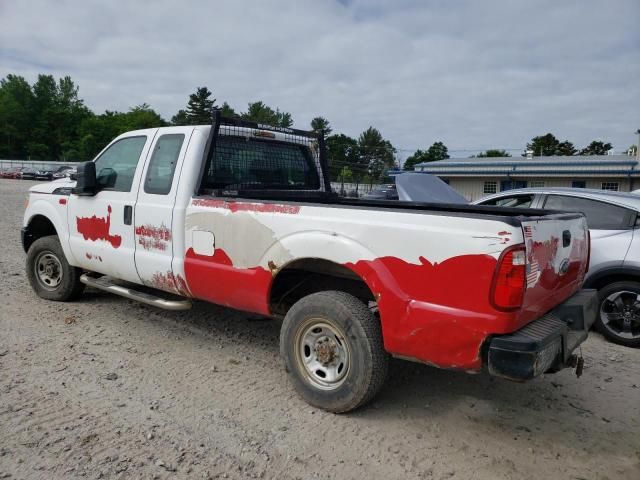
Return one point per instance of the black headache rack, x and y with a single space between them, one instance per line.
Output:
289 166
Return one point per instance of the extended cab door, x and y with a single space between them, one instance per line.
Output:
154 225
101 235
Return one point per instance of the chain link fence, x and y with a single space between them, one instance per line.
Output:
35 164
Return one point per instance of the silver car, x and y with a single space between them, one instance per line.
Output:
614 269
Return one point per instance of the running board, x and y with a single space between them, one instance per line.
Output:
104 283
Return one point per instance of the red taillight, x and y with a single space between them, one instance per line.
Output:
509 281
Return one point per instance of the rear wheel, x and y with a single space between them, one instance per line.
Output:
49 273
619 313
332 347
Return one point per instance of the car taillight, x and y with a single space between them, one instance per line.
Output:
509 280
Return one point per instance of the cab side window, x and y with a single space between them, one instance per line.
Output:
162 165
600 215
116 166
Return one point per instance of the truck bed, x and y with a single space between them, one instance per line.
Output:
513 216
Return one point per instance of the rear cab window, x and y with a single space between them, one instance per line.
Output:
600 215
245 163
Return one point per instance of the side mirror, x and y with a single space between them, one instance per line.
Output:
86 185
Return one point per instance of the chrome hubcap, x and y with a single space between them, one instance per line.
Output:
620 313
48 270
323 354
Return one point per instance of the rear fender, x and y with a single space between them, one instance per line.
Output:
344 251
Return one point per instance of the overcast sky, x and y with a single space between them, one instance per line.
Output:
473 74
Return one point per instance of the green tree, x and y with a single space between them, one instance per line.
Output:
56 115
227 111
16 103
321 124
596 148
437 151
200 107
343 151
549 145
142 116
566 148
543 145
261 113
180 118
70 112
493 153
376 152
43 137
98 130
419 156
346 174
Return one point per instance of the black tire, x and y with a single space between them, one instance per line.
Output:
611 330
62 282
344 324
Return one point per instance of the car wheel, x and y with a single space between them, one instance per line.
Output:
619 313
332 348
49 273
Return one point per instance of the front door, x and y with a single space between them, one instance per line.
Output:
101 231
154 211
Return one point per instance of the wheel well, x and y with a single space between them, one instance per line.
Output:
39 226
600 282
306 276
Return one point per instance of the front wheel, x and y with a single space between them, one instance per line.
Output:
49 273
332 348
619 314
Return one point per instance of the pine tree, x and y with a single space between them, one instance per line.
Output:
200 107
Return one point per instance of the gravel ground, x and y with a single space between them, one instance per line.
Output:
107 388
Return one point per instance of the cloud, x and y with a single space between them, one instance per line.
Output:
472 74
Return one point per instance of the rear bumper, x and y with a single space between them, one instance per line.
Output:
546 344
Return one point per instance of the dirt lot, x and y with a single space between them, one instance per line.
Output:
107 388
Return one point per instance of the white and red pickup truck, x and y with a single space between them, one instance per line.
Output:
242 215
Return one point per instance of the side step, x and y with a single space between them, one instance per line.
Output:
106 284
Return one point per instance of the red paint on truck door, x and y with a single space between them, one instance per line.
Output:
98 228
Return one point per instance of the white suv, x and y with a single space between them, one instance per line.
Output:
614 269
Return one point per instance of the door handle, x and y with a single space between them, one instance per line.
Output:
128 214
566 238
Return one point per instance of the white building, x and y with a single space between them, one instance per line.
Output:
477 177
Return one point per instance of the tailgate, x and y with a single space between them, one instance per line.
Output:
557 250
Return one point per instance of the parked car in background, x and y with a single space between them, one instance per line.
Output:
63 172
614 269
52 172
45 174
383 192
11 172
28 174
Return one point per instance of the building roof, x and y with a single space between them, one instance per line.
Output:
613 165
